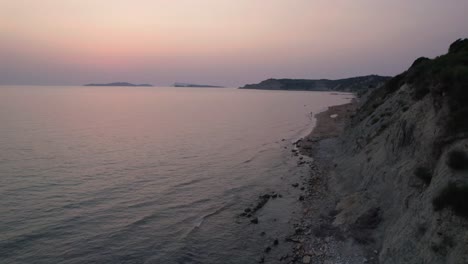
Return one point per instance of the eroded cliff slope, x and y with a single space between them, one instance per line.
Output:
402 173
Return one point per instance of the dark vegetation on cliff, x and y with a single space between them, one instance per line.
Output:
355 84
454 197
445 78
424 174
458 160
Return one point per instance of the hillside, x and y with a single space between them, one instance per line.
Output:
401 172
355 84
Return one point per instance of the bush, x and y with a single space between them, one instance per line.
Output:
457 120
424 174
443 245
419 61
457 160
459 46
446 74
455 78
361 229
418 77
454 197
419 92
395 83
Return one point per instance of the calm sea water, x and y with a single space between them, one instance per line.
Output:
147 175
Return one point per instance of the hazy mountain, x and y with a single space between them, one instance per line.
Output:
354 84
196 85
118 84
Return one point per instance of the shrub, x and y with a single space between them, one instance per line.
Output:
457 160
419 61
446 74
443 245
459 45
424 174
420 91
418 78
457 120
455 78
454 197
395 83
361 229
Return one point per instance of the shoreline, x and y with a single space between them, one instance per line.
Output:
316 239
311 238
306 192
330 123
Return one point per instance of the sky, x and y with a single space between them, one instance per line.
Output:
222 42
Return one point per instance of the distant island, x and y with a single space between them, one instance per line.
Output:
355 84
196 85
119 84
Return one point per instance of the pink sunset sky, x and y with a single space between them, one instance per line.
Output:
224 42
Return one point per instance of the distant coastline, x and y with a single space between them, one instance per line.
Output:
119 84
196 85
355 84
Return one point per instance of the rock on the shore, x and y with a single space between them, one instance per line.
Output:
263 199
306 259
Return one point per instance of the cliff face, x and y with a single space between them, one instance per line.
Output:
355 84
402 175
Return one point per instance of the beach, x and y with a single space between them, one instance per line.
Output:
311 238
316 239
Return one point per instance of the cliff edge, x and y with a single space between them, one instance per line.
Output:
391 186
402 174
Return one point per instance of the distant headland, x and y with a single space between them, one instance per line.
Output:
196 85
355 84
119 84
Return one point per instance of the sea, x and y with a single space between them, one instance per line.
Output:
150 174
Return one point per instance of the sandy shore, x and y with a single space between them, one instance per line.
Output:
313 238
330 124
316 239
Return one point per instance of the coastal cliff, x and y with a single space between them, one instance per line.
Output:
393 187
355 84
405 155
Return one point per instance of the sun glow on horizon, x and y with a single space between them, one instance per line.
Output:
222 41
